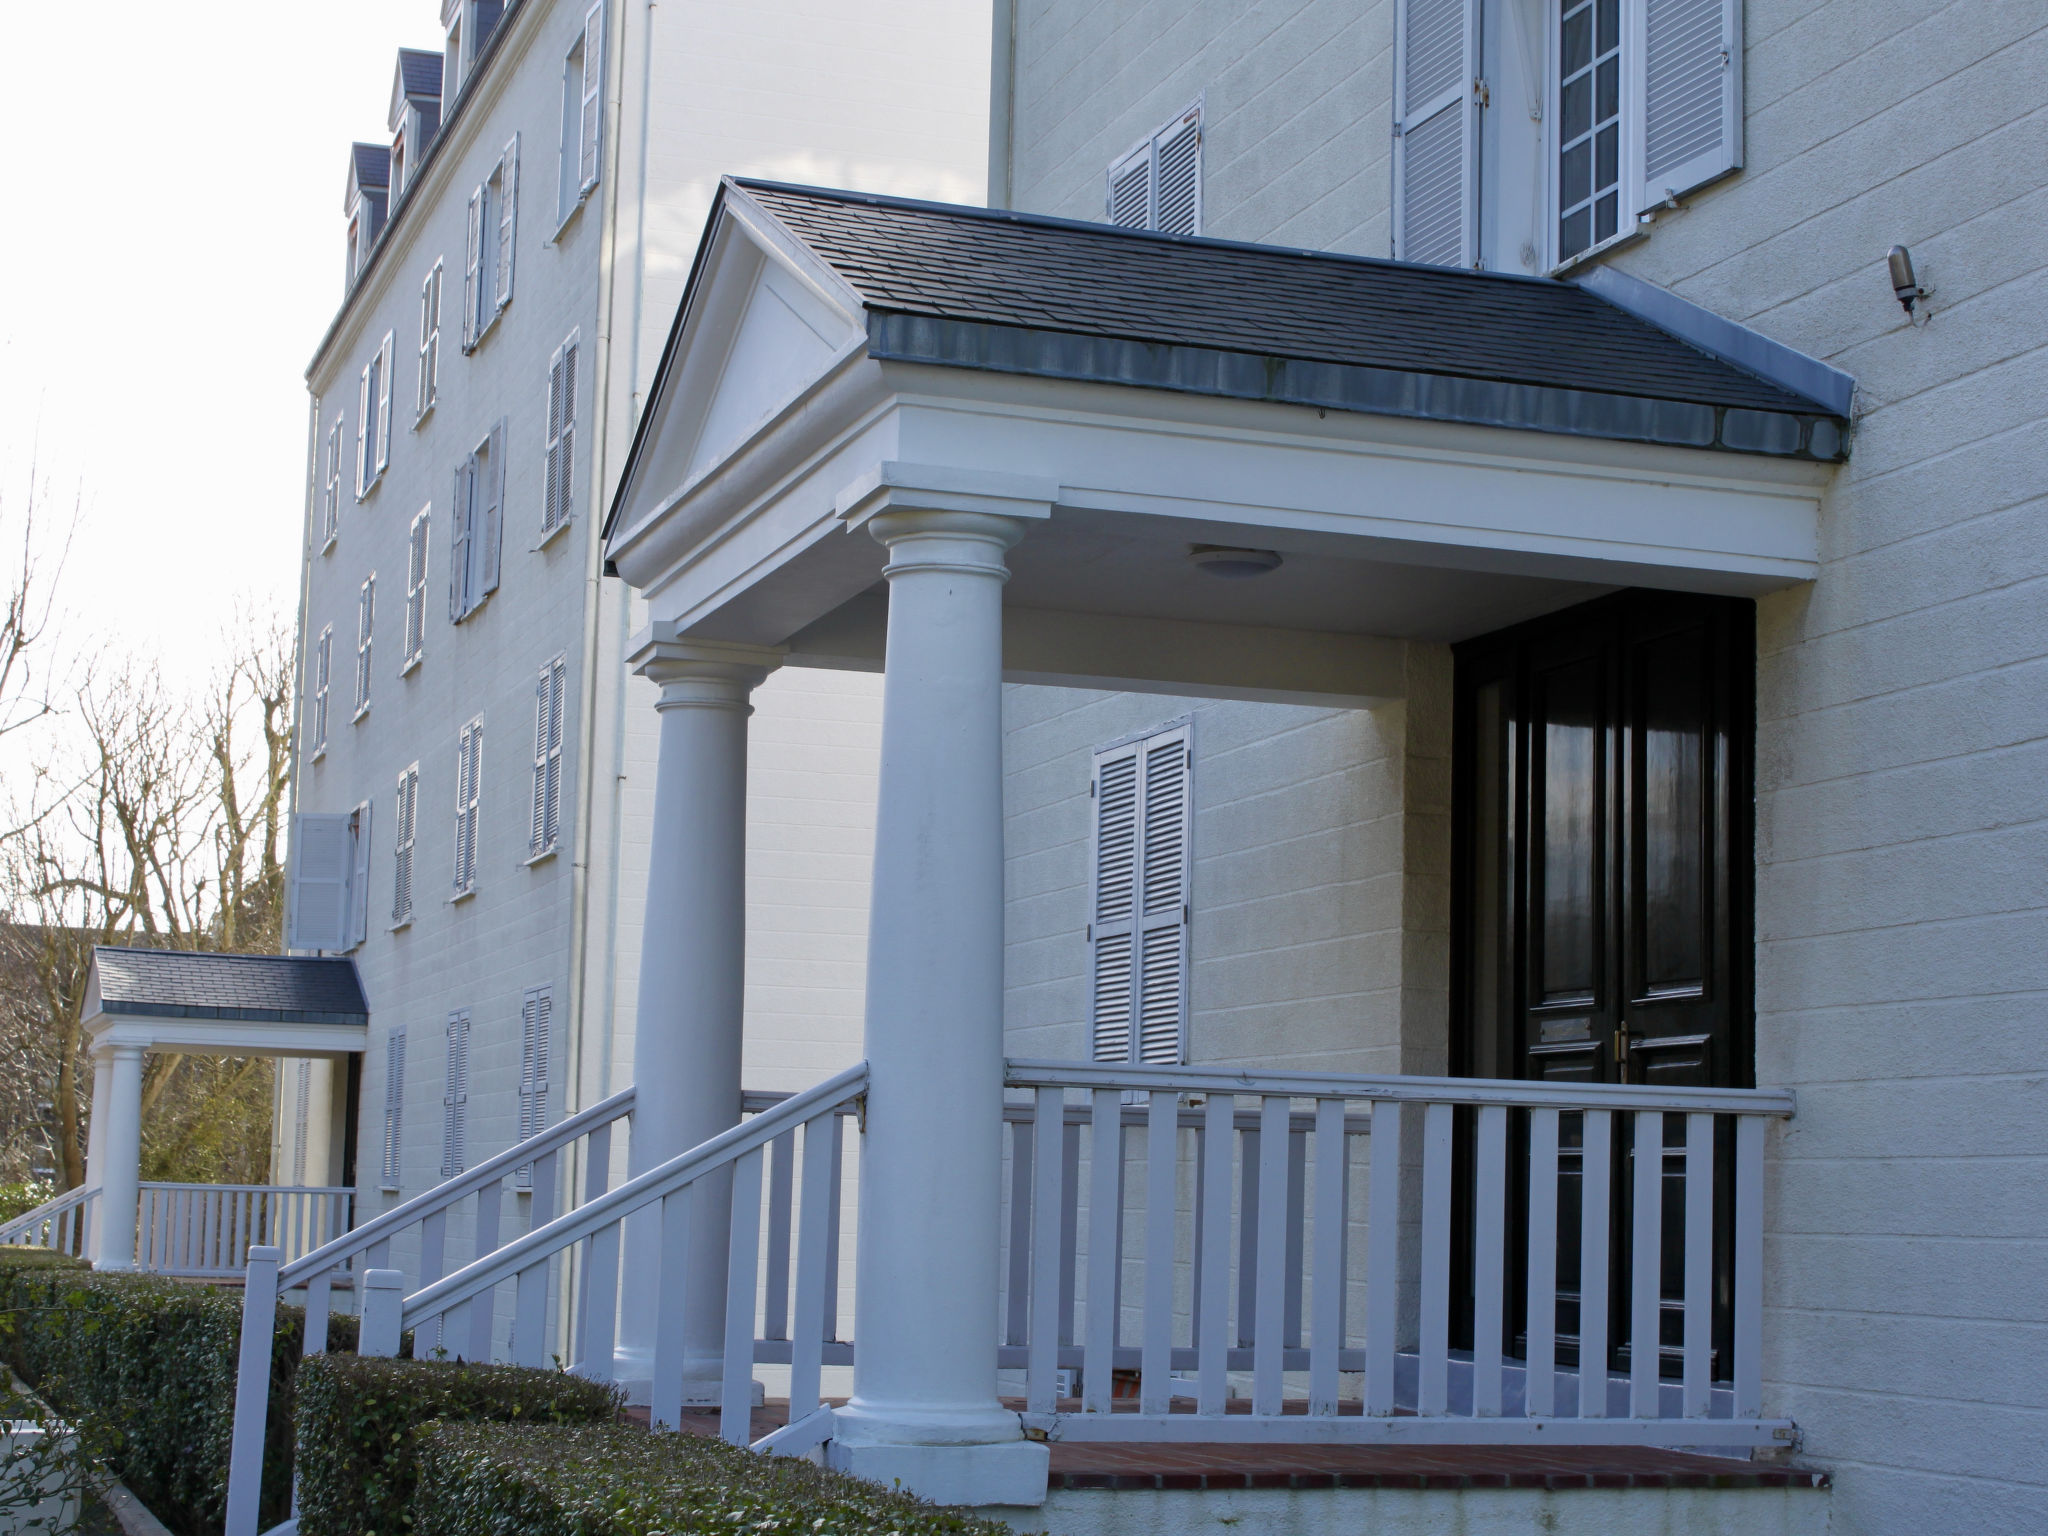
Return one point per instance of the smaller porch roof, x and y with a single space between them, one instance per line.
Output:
242 1005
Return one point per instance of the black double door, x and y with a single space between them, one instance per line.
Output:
1601 895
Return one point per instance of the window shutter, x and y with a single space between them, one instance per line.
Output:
547 756
425 381
508 214
359 877
1163 913
1692 95
364 427
1130 190
384 404
323 670
472 273
551 488
416 589
461 518
408 810
1179 210
1110 928
589 138
366 618
1436 123
490 527
535 1017
394 1103
301 1104
332 519
468 772
455 1098
321 862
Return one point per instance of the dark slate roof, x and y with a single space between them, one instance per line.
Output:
370 164
984 288
280 989
420 71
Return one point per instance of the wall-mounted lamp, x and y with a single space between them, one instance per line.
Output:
1231 563
1904 284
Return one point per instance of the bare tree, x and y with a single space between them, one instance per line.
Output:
29 596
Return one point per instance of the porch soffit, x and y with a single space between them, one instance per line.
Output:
1389 525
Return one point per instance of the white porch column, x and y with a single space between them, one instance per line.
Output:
120 1152
689 1025
96 1140
924 1408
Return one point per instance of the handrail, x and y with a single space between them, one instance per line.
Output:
1033 1073
503 1263
55 1206
447 1192
256 1189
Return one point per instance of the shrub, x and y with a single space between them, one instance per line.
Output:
147 1366
359 1421
620 1480
20 1198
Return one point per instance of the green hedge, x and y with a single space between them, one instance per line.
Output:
619 1480
149 1365
359 1418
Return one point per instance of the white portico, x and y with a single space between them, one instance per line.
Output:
966 447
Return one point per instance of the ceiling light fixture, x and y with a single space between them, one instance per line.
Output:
1231 563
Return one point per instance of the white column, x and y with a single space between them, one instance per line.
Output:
690 1019
120 1152
924 1409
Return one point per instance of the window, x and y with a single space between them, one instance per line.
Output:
330 499
536 1016
547 757
1158 185
558 498
430 344
488 248
416 592
408 811
455 1100
394 1103
1528 136
1138 924
323 671
582 115
478 519
469 764
373 419
366 617
329 905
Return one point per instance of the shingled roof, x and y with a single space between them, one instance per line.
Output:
283 989
990 289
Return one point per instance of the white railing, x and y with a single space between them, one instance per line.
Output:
368 1248
1210 1265
63 1225
205 1231
767 1166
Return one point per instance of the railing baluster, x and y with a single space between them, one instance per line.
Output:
1297 1230
1268 1384
1433 1389
1489 1273
1645 1270
483 1308
1041 1393
1017 1281
1105 1196
1541 1381
1248 1239
1162 1155
252 1391
672 1293
742 1277
319 1302
781 1188
835 1129
382 1329
1326 1303
1749 1266
807 1346
433 1265
1070 1224
1212 1340
542 1210
1596 1183
1383 1258
598 1301
1699 1262
530 1316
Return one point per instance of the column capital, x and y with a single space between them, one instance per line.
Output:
717 674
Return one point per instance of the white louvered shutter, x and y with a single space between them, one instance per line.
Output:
536 1017
366 618
1436 122
323 675
1178 202
472 272
468 772
550 498
407 819
1130 190
321 862
359 877
508 218
547 756
589 134
490 519
416 588
365 428
332 512
462 522
455 1099
1163 898
301 1104
394 1104
1691 92
430 340
1110 926
384 404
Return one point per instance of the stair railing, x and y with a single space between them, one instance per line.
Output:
61 1225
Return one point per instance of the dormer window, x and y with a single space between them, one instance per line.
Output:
415 115
469 25
367 202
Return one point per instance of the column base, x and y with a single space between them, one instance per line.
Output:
1012 1472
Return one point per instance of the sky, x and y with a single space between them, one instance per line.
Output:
174 253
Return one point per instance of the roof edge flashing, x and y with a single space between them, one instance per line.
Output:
1733 343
